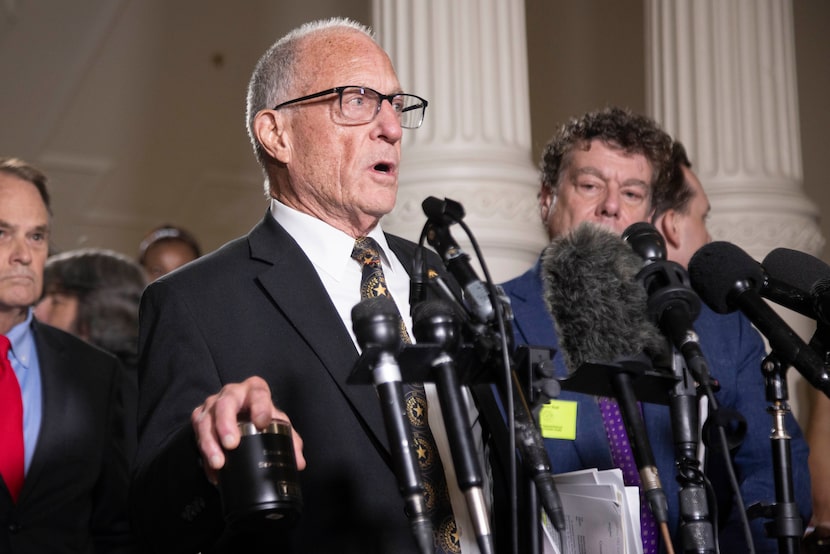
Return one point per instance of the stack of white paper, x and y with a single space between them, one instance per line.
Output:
602 515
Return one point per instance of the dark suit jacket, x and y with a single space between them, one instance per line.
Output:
74 497
257 307
734 351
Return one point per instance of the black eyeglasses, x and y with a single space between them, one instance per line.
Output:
362 104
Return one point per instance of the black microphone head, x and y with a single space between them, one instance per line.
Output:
796 268
719 271
598 306
666 282
444 211
376 322
435 322
820 288
820 292
645 240
432 308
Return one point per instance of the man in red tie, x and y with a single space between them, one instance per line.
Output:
63 472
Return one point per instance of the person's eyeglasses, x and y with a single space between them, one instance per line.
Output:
362 104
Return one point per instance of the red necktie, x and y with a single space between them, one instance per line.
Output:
11 423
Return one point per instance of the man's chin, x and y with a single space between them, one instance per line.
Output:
382 208
20 296
614 227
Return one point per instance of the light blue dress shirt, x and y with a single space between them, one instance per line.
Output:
23 357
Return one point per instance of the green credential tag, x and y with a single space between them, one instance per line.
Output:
557 420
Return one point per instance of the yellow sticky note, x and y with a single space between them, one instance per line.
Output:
557 420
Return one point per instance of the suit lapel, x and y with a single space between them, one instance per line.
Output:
537 329
533 322
50 353
314 317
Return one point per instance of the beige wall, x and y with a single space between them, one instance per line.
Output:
134 107
812 42
582 56
589 54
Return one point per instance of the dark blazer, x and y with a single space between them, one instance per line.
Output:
74 497
734 351
257 307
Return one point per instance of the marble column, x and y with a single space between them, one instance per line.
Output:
721 79
469 59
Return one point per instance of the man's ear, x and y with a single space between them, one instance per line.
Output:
546 200
269 130
669 226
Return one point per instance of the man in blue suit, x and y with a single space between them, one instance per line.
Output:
608 167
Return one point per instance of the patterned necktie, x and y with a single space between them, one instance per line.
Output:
447 535
623 458
11 423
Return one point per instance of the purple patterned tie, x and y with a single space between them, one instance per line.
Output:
623 458
447 535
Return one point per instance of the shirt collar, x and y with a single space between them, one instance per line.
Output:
23 341
329 249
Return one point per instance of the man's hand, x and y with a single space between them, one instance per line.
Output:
215 421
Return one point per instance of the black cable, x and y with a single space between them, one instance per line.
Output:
723 443
534 457
508 385
488 323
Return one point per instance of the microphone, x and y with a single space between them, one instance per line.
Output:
424 279
799 282
440 215
434 322
534 456
417 279
591 289
672 303
820 291
376 327
599 308
487 319
804 290
727 278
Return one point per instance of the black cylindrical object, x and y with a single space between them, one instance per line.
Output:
260 479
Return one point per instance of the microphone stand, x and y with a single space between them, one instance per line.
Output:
641 448
434 322
535 375
695 531
785 524
374 321
489 315
467 468
628 380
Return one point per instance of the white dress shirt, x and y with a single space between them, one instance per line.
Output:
329 251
